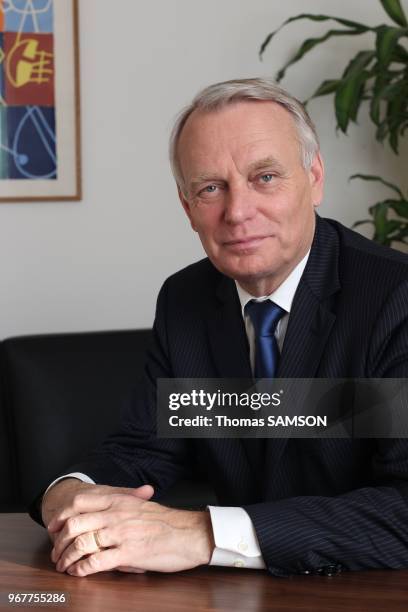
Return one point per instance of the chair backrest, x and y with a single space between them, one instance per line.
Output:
8 477
66 392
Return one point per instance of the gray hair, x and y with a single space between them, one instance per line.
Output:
216 97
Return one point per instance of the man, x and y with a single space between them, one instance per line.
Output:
246 160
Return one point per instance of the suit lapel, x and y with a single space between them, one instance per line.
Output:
227 334
310 322
312 316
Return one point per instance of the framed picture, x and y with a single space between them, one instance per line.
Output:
39 101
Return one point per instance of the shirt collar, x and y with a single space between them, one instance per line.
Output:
283 295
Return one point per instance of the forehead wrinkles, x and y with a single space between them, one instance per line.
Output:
242 157
235 133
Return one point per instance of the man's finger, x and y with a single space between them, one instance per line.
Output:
82 546
145 492
82 502
74 527
93 499
99 562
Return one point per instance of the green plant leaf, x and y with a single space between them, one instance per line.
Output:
396 113
401 236
375 109
386 41
309 44
358 62
385 89
386 230
382 79
359 97
354 80
371 177
393 139
362 222
400 207
393 90
325 88
346 22
379 212
349 93
394 9
382 131
400 54
393 226
346 101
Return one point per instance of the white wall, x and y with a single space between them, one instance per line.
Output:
99 263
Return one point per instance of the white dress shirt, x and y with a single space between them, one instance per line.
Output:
236 544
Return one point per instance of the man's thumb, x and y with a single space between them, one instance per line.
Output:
143 492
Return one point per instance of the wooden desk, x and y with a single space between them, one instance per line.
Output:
25 567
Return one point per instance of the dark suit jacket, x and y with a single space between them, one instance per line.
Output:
315 503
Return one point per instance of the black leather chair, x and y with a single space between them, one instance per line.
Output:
66 393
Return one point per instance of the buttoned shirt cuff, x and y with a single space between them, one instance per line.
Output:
236 544
77 475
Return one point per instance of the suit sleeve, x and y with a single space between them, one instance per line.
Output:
366 527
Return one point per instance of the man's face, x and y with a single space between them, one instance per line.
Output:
247 193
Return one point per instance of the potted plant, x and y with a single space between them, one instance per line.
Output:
379 76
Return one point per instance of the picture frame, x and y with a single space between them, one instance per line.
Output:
40 149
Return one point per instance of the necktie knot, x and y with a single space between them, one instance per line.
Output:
265 316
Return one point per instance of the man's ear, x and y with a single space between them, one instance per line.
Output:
316 175
186 207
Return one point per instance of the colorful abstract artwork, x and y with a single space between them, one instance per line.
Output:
37 40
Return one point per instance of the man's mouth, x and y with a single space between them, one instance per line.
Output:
242 244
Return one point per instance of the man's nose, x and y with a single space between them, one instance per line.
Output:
240 205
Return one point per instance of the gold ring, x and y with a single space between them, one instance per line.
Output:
97 541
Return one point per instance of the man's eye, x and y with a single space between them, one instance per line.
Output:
209 189
266 178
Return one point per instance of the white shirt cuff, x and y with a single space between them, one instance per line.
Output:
236 544
77 475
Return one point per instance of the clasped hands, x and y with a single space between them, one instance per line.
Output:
133 533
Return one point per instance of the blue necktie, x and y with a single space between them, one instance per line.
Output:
265 317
